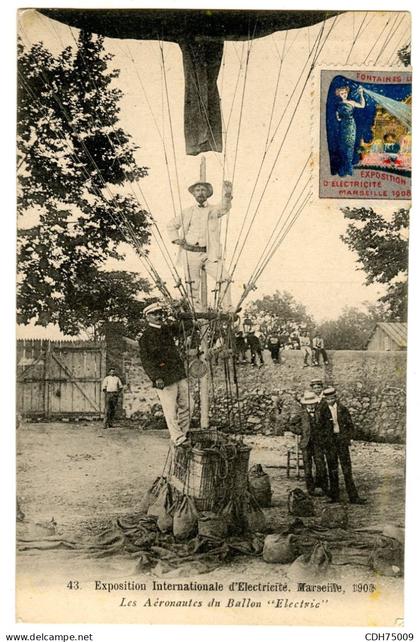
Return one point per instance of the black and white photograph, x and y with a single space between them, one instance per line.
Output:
212 316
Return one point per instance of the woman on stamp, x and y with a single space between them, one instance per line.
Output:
347 128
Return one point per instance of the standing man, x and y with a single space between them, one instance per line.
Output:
197 232
165 368
306 425
255 348
240 347
273 343
111 386
336 429
305 346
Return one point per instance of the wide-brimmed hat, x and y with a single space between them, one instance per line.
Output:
208 187
153 307
329 392
308 398
316 382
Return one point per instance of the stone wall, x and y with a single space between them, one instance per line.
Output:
371 384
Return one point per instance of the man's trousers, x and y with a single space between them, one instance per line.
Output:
193 262
111 401
177 406
338 451
312 454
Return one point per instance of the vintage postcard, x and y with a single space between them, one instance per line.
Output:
213 214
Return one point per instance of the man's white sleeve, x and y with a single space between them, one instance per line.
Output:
173 227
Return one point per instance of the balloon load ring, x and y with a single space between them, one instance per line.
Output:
197 369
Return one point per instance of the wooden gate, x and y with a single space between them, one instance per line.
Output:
60 378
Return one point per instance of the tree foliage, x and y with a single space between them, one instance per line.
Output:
352 329
76 166
404 54
283 306
382 250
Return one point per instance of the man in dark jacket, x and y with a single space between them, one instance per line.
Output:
165 368
273 344
255 347
306 425
336 429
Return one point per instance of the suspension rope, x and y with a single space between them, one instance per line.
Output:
355 37
244 220
106 186
289 223
391 33
394 54
286 228
159 238
316 55
274 232
377 40
187 262
124 224
276 92
268 250
241 110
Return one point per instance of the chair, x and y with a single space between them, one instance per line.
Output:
294 458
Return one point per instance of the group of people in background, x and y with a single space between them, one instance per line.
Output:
323 423
277 339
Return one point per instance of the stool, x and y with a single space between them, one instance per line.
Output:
294 459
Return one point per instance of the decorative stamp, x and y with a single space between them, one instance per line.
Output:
365 134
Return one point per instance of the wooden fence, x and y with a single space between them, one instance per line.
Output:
60 378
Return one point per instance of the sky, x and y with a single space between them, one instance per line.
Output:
312 263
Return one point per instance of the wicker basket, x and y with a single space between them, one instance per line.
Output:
211 475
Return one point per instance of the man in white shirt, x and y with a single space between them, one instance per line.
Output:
112 387
336 431
305 346
197 232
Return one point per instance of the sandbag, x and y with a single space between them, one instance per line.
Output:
260 486
279 549
185 519
233 514
254 518
151 495
212 525
387 557
334 516
395 532
300 504
313 566
162 509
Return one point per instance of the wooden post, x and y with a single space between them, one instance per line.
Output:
47 375
203 169
204 381
204 344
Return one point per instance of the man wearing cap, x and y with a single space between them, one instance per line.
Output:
165 368
306 425
197 232
336 428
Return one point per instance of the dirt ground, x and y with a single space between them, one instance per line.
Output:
83 476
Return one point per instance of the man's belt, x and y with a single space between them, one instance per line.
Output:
195 248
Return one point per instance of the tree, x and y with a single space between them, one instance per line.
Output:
351 330
382 249
404 54
76 166
283 306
